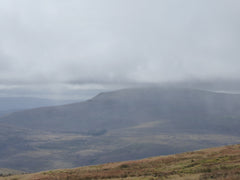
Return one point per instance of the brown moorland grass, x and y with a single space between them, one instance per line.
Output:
215 163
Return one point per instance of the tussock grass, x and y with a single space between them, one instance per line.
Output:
215 163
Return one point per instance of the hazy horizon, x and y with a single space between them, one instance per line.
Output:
79 47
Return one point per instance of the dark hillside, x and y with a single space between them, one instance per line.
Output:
184 109
117 126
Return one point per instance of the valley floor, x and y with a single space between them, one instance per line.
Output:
215 163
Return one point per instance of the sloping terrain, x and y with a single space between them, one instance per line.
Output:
8 172
184 109
215 163
117 126
14 104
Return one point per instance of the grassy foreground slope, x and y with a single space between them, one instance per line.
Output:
215 163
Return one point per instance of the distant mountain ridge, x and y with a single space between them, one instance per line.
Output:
13 104
121 125
184 108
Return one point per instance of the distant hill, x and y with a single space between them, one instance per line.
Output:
177 110
215 163
121 125
13 104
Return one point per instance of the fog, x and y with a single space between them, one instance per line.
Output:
56 46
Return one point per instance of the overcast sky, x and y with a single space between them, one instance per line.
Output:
57 45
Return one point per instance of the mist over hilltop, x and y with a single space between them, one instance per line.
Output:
56 47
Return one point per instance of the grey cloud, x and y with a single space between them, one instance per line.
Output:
118 42
4 63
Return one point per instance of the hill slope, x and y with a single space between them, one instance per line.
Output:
117 126
13 104
184 109
8 172
216 163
